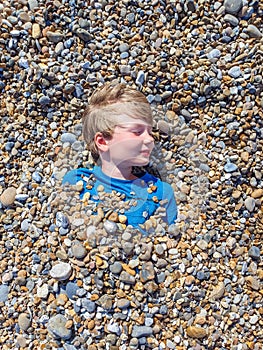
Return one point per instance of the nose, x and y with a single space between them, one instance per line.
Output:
148 137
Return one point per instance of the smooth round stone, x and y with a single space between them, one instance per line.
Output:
235 72
61 271
21 341
250 204
57 327
8 196
124 47
231 19
110 227
44 100
78 250
233 6
24 321
254 252
253 31
68 137
214 54
116 267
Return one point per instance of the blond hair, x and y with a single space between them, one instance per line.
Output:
108 102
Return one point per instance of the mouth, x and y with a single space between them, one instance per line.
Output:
145 153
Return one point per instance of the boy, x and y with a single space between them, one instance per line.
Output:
117 126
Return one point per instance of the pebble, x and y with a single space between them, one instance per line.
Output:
61 271
57 327
88 280
24 321
4 290
8 196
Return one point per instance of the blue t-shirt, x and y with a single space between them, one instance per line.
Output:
147 192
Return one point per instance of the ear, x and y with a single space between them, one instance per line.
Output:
101 142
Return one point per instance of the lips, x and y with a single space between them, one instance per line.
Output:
145 153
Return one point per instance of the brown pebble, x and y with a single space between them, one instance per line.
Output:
196 332
8 196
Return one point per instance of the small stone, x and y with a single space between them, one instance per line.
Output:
4 290
253 31
231 19
36 31
114 328
54 37
233 6
258 193
116 267
217 292
42 292
254 252
110 227
235 72
123 303
163 126
78 250
68 137
141 331
230 167
57 327
24 321
61 271
196 332
84 35
8 196
250 204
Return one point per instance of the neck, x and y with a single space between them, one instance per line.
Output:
117 172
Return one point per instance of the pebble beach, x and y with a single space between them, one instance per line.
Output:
70 279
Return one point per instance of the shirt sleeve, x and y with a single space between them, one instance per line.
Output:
71 177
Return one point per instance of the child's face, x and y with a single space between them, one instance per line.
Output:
131 143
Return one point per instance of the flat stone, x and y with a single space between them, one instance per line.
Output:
57 327
61 271
141 331
4 290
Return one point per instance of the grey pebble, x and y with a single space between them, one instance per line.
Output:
68 137
141 331
254 252
4 290
61 271
233 6
56 327
230 167
78 250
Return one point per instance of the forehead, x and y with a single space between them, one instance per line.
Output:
124 119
